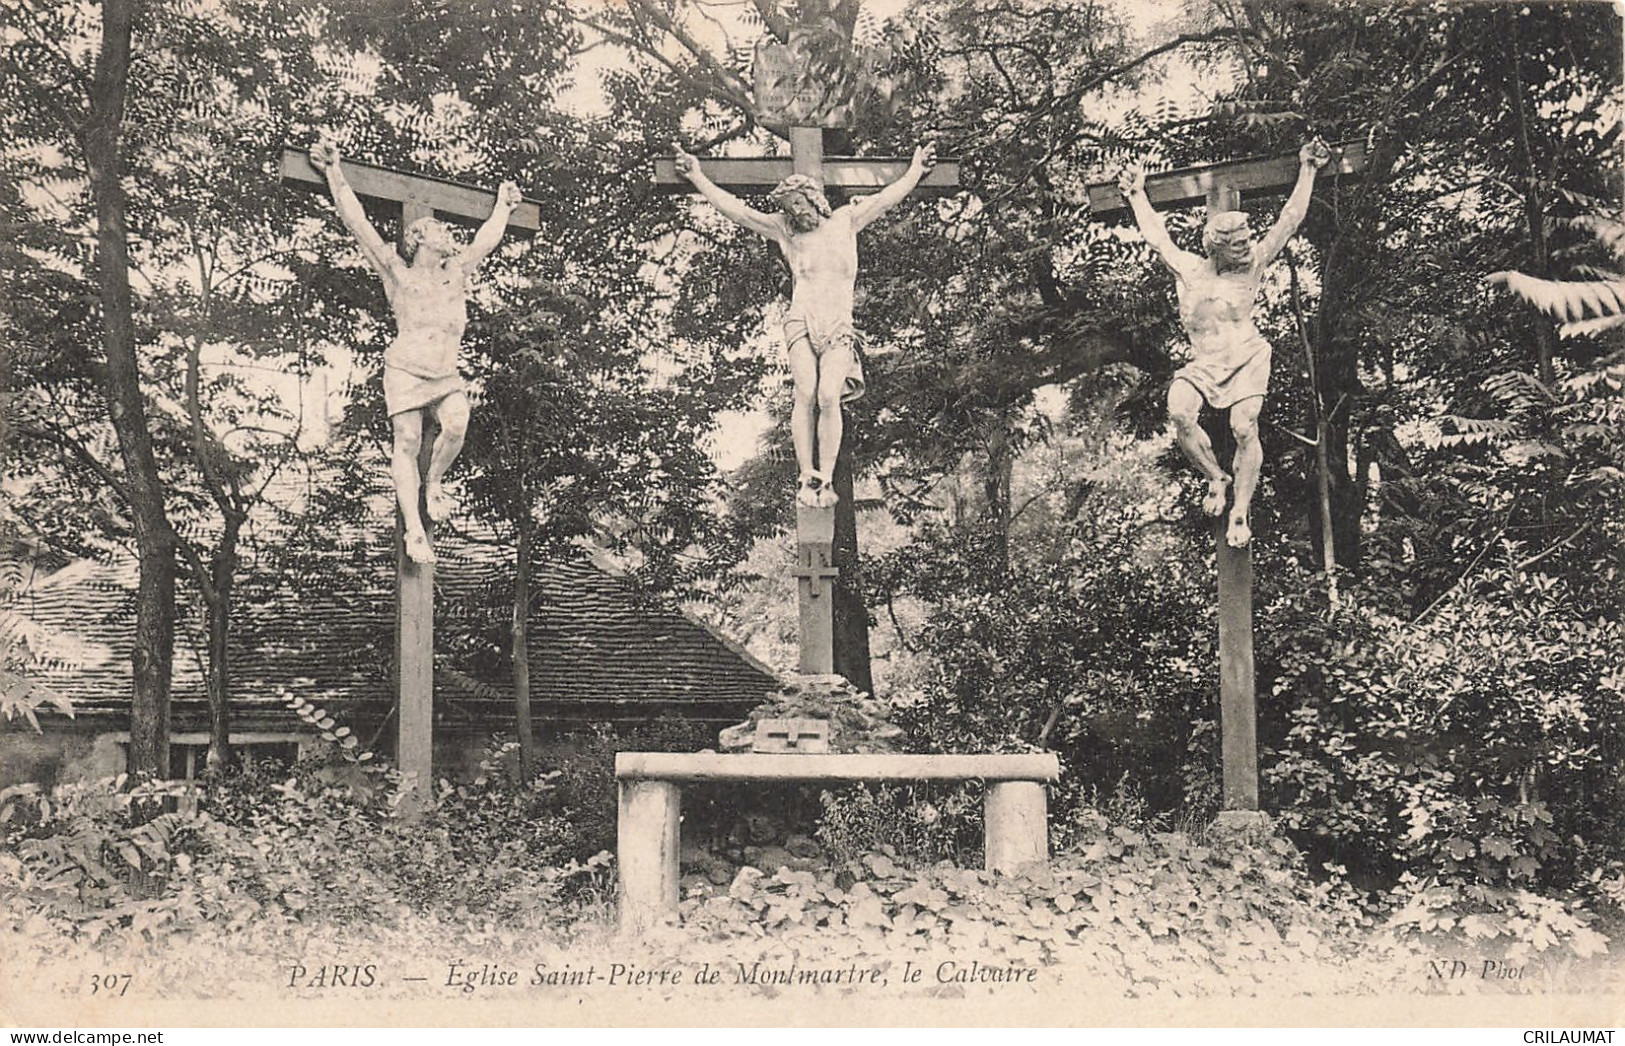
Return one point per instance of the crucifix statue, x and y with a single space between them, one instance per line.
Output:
1231 365
823 263
1230 369
821 246
427 292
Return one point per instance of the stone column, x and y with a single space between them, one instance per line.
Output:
1016 828
647 849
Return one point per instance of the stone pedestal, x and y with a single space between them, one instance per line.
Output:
1248 827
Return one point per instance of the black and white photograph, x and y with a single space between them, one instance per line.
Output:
812 513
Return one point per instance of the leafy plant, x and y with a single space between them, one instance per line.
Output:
1580 306
1467 748
329 730
919 823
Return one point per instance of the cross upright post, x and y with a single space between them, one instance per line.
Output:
412 197
816 571
414 617
815 575
1221 186
1238 712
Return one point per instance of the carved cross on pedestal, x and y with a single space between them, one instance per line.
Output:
1221 186
410 197
815 573
815 569
801 735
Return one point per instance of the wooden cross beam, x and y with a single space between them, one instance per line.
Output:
396 191
412 196
1189 186
759 174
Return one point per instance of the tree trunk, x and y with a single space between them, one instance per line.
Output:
996 488
1337 390
1340 393
217 582
1534 204
1323 479
521 652
1341 231
851 616
224 573
153 651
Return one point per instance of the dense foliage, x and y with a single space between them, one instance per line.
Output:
1444 704
1439 649
260 880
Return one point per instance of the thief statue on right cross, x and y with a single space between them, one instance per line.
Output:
1231 360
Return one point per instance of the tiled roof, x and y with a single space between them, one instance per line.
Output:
598 652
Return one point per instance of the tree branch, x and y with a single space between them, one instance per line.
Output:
776 23
738 98
1075 95
726 81
81 454
1465 574
1532 560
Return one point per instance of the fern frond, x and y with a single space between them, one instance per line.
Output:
12 574
467 685
1591 326
1605 229
1591 272
1519 390
1470 431
1582 307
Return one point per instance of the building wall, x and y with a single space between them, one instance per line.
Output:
65 756
57 757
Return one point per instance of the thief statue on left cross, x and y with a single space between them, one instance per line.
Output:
1230 367
428 293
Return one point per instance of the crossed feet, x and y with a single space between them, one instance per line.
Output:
816 491
418 549
441 506
1237 534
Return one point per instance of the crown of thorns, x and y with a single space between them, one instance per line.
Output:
804 186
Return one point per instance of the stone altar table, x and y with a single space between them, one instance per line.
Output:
1015 806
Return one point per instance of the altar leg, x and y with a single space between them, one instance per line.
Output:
647 849
1016 828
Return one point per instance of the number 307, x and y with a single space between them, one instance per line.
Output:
109 983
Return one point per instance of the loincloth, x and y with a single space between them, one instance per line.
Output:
418 371
825 338
404 391
1227 376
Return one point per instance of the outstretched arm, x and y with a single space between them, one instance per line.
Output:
1311 158
866 209
490 234
324 156
1131 183
731 206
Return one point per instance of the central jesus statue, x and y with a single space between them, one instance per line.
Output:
821 245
